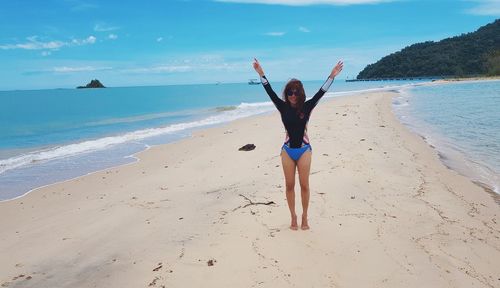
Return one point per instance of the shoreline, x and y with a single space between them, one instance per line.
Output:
488 190
381 202
453 155
464 80
478 78
485 186
136 159
442 158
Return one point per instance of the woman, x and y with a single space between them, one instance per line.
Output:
296 152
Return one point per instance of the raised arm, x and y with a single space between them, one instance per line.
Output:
276 100
335 71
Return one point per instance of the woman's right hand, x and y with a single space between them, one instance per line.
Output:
257 67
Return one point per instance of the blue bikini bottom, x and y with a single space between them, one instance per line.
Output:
296 153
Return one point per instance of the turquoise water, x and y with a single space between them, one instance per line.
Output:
48 136
462 121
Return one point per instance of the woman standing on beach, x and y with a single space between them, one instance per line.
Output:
296 151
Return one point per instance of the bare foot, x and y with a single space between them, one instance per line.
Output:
304 225
294 225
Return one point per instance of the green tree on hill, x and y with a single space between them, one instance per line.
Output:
471 54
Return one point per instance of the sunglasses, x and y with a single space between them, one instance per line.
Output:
292 92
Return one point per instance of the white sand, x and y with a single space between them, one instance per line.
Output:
384 212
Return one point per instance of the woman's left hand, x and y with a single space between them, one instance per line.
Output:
336 70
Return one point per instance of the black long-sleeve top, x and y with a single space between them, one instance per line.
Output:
295 125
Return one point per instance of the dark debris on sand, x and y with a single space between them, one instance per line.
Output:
211 262
248 147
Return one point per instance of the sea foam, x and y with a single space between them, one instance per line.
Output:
38 156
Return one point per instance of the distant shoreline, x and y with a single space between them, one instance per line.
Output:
430 78
479 78
485 78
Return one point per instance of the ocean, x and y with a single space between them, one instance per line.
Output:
462 121
48 136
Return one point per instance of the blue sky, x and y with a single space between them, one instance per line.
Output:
66 43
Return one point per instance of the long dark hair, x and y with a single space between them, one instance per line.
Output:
295 84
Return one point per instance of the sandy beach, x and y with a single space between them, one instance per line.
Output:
384 212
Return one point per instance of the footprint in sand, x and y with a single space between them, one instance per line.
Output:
153 283
20 277
157 279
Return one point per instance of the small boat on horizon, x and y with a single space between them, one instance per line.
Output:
253 82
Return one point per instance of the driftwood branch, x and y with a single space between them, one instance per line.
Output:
252 203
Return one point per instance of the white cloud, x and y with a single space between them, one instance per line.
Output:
304 29
164 38
112 36
275 33
161 69
65 69
307 2
89 40
103 27
34 44
485 8
172 68
205 63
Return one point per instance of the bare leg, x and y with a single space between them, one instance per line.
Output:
289 171
304 167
